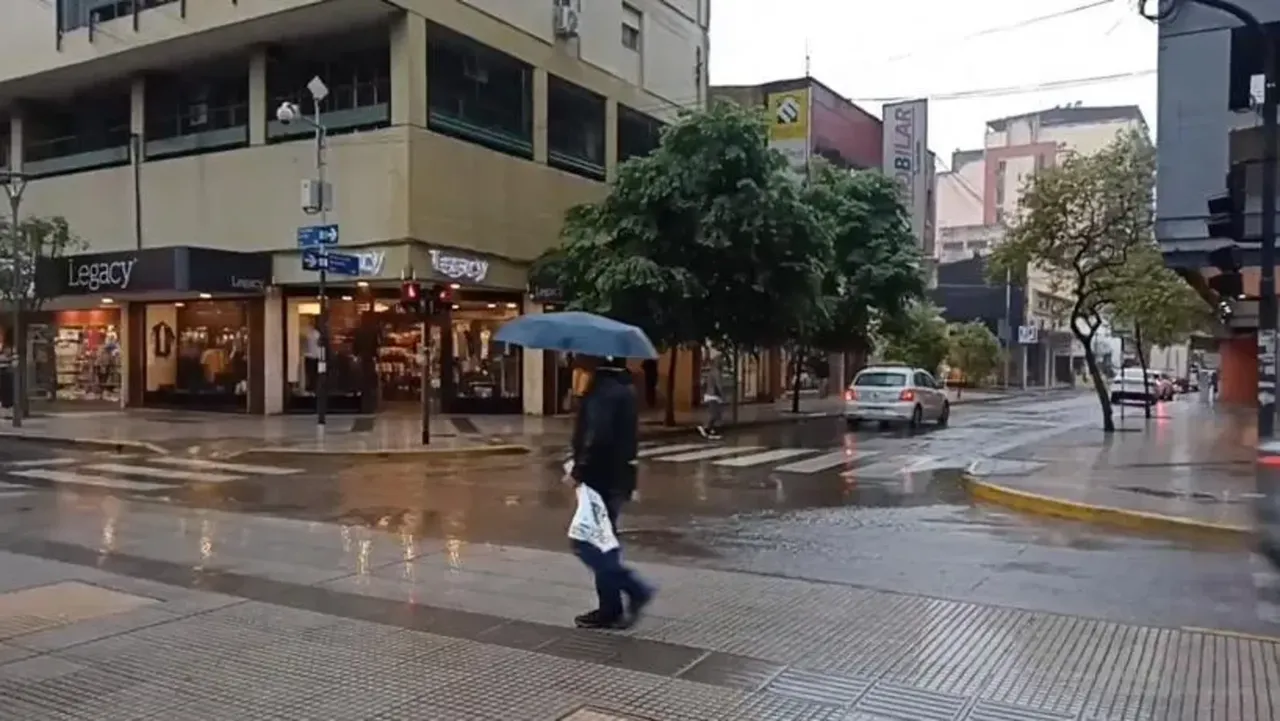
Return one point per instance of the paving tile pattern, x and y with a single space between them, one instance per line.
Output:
396 638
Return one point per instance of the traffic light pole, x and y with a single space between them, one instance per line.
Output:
426 379
322 323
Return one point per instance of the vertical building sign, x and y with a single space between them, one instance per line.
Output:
907 161
789 126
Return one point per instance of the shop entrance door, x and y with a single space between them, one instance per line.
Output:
398 364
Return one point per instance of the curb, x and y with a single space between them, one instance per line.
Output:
119 446
1035 503
505 449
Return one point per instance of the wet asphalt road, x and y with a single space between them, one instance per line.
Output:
813 500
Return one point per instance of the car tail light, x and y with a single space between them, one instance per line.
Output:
851 395
907 395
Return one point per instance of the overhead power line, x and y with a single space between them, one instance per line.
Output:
1008 27
1023 89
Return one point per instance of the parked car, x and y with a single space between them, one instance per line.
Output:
896 394
1130 385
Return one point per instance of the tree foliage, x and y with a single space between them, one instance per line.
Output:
704 239
918 337
35 238
973 350
1082 223
875 265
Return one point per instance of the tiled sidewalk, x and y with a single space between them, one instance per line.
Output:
196 615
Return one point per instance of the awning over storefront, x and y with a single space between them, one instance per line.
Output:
181 269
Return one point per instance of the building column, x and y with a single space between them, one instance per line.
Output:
409 71
138 106
258 97
272 353
17 134
611 139
533 370
539 115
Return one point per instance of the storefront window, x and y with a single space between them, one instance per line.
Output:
75 356
484 369
198 354
344 380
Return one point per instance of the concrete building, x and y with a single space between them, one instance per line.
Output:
980 193
1210 80
459 133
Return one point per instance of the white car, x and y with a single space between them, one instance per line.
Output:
1129 385
895 394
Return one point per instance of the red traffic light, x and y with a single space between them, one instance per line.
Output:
411 291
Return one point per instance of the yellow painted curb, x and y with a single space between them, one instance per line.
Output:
1107 515
505 449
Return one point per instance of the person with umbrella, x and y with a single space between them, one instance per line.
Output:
605 437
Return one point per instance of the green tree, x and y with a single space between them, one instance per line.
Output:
1156 303
874 269
918 337
973 350
704 239
23 247
1081 222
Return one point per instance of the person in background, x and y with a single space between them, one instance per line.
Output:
605 437
650 368
713 399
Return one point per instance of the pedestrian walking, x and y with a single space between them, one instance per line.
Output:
713 399
605 437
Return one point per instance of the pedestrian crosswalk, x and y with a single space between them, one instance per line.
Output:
147 474
794 460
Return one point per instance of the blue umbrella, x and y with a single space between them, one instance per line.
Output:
577 332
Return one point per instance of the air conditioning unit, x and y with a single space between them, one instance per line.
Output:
566 21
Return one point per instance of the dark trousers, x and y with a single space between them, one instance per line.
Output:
613 579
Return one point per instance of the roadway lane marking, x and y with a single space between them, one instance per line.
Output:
83 479
43 462
756 459
171 474
709 453
825 461
222 466
663 450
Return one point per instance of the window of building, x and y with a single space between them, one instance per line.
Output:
356 69
638 134
74 14
1001 168
89 131
198 354
575 129
478 94
197 111
632 22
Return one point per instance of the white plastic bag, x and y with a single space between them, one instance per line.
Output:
590 522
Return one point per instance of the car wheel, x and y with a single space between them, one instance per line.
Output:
852 423
884 425
917 415
945 416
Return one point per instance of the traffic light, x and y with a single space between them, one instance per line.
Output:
1228 259
1226 211
411 297
441 299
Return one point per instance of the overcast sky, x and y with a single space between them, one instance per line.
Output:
869 50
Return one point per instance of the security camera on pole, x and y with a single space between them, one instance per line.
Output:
317 197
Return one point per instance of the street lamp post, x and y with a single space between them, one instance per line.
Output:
14 187
287 113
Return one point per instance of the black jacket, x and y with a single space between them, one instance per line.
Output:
605 435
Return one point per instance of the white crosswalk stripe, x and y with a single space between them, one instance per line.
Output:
759 459
224 466
826 461
708 453
135 474
129 469
663 450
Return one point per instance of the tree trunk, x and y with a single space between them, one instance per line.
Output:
21 399
1142 363
737 384
669 413
1099 383
795 381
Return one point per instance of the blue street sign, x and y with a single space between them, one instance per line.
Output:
339 263
312 236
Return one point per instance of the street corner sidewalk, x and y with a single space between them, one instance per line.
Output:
1188 470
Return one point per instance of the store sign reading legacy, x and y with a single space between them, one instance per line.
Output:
458 267
101 275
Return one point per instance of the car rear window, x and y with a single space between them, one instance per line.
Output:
881 380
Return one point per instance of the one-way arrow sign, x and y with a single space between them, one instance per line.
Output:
312 236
